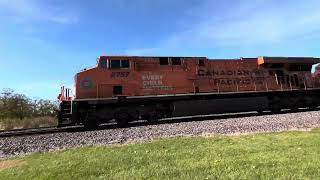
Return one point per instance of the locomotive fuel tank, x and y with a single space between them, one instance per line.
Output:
220 106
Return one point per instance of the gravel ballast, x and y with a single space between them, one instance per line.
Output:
10 146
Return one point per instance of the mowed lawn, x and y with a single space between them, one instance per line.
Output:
285 155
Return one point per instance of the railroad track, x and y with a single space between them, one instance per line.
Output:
49 130
33 131
30 141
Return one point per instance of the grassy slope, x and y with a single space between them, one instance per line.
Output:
286 155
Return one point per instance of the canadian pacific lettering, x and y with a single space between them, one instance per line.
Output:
232 77
224 73
231 81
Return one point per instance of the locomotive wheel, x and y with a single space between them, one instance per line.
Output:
260 112
89 122
301 104
154 117
91 125
313 107
275 108
122 119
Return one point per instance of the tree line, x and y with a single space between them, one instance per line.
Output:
19 106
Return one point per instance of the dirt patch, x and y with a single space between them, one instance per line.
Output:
9 164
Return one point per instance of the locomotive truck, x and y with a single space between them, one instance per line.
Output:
129 88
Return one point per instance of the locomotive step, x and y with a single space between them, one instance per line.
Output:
67 114
65 122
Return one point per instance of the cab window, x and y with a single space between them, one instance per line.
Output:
115 63
125 63
164 60
104 63
176 61
201 62
119 63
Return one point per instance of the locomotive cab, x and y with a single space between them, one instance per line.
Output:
117 68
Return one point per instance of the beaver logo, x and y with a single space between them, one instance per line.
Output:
86 83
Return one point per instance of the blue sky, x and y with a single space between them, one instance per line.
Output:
43 43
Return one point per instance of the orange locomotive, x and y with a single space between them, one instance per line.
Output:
127 88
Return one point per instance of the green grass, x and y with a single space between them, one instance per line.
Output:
285 155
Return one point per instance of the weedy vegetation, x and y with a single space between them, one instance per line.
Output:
19 111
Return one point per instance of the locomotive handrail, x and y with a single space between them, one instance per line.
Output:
182 94
65 94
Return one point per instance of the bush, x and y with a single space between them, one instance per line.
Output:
19 111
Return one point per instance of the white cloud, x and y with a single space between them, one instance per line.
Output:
26 11
247 23
262 25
